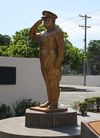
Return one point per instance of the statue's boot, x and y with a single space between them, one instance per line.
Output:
53 105
45 105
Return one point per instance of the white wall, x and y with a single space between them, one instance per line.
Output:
29 81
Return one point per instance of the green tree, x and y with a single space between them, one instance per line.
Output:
5 40
3 50
20 51
21 39
93 53
94 48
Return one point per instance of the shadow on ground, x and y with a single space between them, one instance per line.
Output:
71 89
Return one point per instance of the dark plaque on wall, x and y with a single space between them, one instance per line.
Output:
7 75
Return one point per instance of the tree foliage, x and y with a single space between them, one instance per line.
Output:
22 46
20 51
93 53
94 48
3 50
5 40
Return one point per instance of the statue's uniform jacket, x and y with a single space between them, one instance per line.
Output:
51 51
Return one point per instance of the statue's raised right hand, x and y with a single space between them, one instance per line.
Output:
39 22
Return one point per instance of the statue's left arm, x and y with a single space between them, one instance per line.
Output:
60 48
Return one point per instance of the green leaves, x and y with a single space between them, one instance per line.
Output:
5 40
3 50
73 56
94 48
93 54
20 51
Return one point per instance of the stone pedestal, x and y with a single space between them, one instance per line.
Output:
36 119
88 131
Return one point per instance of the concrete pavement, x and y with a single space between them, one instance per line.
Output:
71 93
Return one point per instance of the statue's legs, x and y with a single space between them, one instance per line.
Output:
52 77
55 92
46 104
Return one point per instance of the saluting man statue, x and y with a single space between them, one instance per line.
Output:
51 44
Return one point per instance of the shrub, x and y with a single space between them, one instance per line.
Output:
76 105
5 111
91 103
97 103
20 106
83 108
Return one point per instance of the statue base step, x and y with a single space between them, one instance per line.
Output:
14 127
37 119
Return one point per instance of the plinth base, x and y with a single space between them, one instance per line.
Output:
37 119
95 125
90 129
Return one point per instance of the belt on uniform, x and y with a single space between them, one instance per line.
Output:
47 49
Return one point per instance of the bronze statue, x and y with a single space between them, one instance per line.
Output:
51 44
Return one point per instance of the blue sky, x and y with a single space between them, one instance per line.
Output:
19 14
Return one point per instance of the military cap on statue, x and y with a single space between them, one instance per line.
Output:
48 14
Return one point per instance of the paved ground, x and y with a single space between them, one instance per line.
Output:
77 93
90 117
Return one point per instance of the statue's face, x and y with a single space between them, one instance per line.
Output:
48 22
